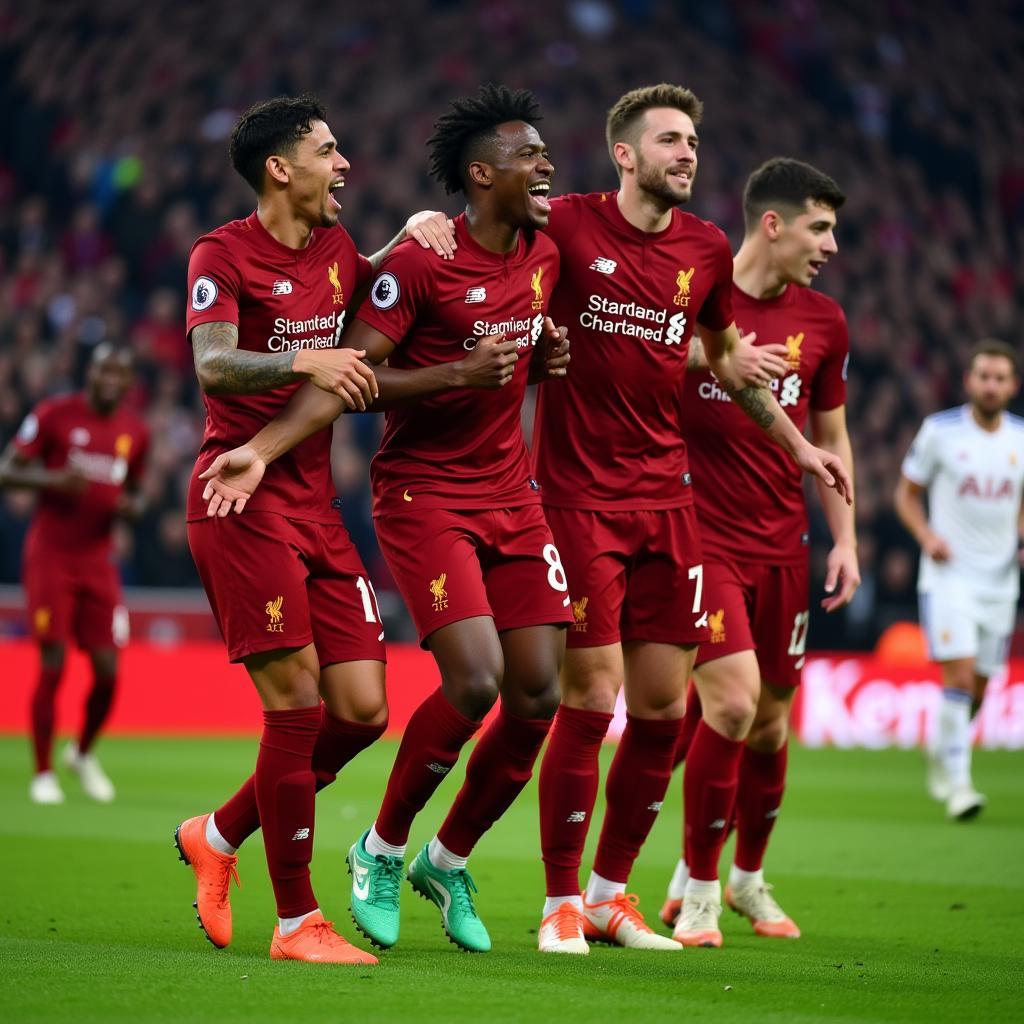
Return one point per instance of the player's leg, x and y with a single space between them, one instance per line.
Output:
45 788
655 679
761 786
953 631
594 552
101 628
48 592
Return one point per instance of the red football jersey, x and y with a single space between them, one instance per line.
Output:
750 495
282 300
608 436
107 450
463 449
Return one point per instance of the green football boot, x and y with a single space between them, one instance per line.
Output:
452 891
376 882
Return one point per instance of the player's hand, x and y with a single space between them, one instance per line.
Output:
827 467
433 231
490 365
758 365
936 548
340 371
842 571
551 358
69 480
231 479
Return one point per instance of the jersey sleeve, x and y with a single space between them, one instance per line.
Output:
716 313
922 461
564 219
214 282
399 292
137 461
33 437
829 387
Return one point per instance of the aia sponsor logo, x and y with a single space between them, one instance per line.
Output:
438 592
987 488
275 623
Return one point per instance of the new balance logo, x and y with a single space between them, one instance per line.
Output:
281 288
718 823
440 769
576 817
656 806
603 265
302 833
476 294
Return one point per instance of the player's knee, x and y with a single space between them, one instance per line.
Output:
769 736
472 692
732 714
595 692
541 699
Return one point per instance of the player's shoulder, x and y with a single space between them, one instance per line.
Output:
71 402
945 419
818 302
1015 422
335 239
539 245
693 227
232 235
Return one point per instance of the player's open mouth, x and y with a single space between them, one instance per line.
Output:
816 265
336 186
538 193
682 177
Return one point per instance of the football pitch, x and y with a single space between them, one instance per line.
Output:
905 917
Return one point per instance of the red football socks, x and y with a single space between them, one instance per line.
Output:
44 710
285 795
431 745
691 719
97 708
338 741
569 776
762 783
637 780
709 789
499 768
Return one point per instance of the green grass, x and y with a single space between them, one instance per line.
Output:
905 916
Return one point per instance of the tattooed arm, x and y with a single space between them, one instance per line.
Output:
225 369
760 405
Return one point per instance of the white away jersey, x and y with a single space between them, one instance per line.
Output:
974 479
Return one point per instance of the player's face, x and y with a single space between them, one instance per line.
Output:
317 175
108 380
522 175
990 383
666 156
805 243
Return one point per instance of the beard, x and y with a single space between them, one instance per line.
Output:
653 181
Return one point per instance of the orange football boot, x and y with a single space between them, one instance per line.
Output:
670 910
756 903
214 871
315 941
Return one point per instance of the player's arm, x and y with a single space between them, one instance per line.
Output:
755 364
225 369
909 504
828 431
760 405
431 229
18 470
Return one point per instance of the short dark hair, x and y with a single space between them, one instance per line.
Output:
463 133
995 347
785 185
624 118
269 128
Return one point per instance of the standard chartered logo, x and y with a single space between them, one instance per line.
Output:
318 331
790 393
676 326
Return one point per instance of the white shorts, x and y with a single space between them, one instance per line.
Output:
961 625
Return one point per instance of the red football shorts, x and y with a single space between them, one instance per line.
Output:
275 582
456 565
633 575
73 597
761 608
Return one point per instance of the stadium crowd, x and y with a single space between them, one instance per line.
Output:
115 121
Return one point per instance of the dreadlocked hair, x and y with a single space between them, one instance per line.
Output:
461 133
